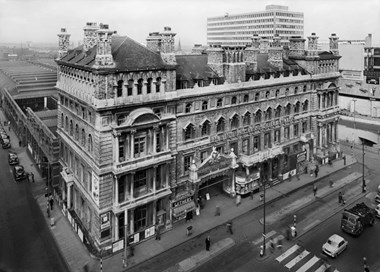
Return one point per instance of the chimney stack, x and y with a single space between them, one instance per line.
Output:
63 43
275 52
334 44
103 51
264 45
89 39
312 45
250 53
296 46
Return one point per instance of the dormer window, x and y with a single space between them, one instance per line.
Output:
204 105
267 94
233 100
158 84
130 87
286 91
246 98
277 93
120 88
295 90
219 103
149 85
139 86
257 96
188 107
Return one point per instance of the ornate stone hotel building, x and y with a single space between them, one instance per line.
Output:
147 135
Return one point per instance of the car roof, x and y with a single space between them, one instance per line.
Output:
336 238
6 140
19 167
12 154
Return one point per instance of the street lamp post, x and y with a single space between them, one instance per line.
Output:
125 246
363 185
264 231
353 134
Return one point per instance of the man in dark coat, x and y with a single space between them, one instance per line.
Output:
208 243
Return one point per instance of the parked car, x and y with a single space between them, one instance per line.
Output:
6 144
19 172
334 245
13 158
3 136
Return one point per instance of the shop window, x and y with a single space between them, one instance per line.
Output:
140 218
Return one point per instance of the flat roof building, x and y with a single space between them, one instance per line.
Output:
238 29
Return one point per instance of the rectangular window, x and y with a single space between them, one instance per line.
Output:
245 146
159 183
256 143
267 142
81 174
286 133
158 143
204 155
121 150
139 146
220 149
140 181
89 181
186 163
304 127
140 220
277 136
296 130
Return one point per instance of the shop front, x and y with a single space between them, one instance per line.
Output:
181 206
245 184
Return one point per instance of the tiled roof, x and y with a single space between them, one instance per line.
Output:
327 55
191 67
127 55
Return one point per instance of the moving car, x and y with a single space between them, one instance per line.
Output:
19 172
334 245
13 158
6 144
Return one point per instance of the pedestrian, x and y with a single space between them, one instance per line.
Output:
32 176
343 201
316 171
251 194
290 176
158 232
48 210
9 128
208 243
187 219
51 201
238 200
315 190
19 143
217 210
344 159
229 227
340 197
298 175
279 243
271 244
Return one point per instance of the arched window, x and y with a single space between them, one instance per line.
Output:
258 116
71 128
235 121
62 121
277 112
158 84
140 83
304 88
286 91
257 96
295 90
206 128
221 125
277 93
233 100
189 132
204 105
66 124
246 98
90 146
297 107
247 119
188 107
149 85
287 109
219 103
130 87
305 106
76 132
267 94
83 138
268 114
120 88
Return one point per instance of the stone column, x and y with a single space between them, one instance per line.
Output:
320 101
154 177
126 223
167 175
116 190
154 212
132 184
69 195
132 135
320 135
117 149
131 223
154 139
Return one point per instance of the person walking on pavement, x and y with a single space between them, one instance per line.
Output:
316 170
51 201
271 244
208 243
48 209
229 227
158 232
279 244
340 197
19 143
32 176
315 189
344 159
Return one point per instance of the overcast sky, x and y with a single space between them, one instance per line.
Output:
40 20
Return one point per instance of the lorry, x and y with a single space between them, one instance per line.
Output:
356 218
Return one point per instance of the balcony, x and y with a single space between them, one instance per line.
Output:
67 175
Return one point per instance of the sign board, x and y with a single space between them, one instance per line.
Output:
105 221
95 188
119 245
208 196
301 157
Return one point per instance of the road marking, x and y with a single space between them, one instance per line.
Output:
323 268
261 239
309 264
297 259
311 225
287 253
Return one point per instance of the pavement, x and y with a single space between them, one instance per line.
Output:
77 256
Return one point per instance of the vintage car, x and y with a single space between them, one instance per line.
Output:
13 158
19 172
334 245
